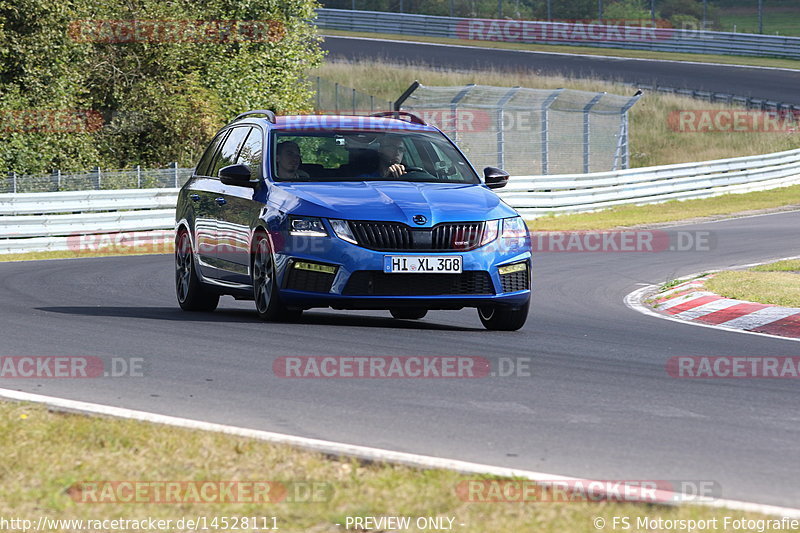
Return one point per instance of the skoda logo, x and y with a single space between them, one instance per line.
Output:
420 219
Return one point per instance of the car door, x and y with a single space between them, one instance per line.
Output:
240 211
201 194
222 233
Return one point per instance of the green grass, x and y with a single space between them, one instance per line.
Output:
48 456
788 265
728 204
776 288
643 54
70 254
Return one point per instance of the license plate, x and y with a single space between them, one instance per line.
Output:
425 264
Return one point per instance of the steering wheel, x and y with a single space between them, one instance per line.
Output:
414 169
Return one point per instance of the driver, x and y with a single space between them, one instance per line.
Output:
391 154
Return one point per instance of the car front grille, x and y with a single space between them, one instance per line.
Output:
515 281
377 283
397 237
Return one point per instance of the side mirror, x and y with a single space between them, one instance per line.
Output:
238 175
495 177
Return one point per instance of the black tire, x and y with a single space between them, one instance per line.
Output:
192 294
265 287
408 313
498 318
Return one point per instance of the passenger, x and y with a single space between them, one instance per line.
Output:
289 160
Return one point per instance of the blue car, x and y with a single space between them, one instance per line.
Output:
379 212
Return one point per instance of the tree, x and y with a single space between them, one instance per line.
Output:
162 81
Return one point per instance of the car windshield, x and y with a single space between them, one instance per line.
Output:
367 156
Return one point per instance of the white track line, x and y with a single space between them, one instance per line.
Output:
634 301
595 56
350 450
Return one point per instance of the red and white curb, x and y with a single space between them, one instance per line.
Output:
691 302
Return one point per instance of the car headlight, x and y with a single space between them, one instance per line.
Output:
514 228
342 230
306 227
490 231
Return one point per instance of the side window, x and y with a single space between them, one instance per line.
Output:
205 161
250 154
229 150
447 164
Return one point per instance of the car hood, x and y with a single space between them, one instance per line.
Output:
397 201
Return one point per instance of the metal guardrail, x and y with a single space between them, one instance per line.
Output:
67 220
744 102
594 35
536 196
35 222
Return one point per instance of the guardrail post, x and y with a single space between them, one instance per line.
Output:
587 130
545 128
96 171
13 177
138 177
174 167
336 97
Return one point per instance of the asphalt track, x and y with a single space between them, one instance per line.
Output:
600 403
780 85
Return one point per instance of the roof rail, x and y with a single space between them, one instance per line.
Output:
270 115
397 114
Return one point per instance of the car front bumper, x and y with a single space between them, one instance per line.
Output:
351 277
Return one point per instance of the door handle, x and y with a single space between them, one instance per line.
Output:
220 201
195 197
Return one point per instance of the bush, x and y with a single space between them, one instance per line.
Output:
671 8
626 10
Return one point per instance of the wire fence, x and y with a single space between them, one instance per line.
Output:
527 130
332 98
96 179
